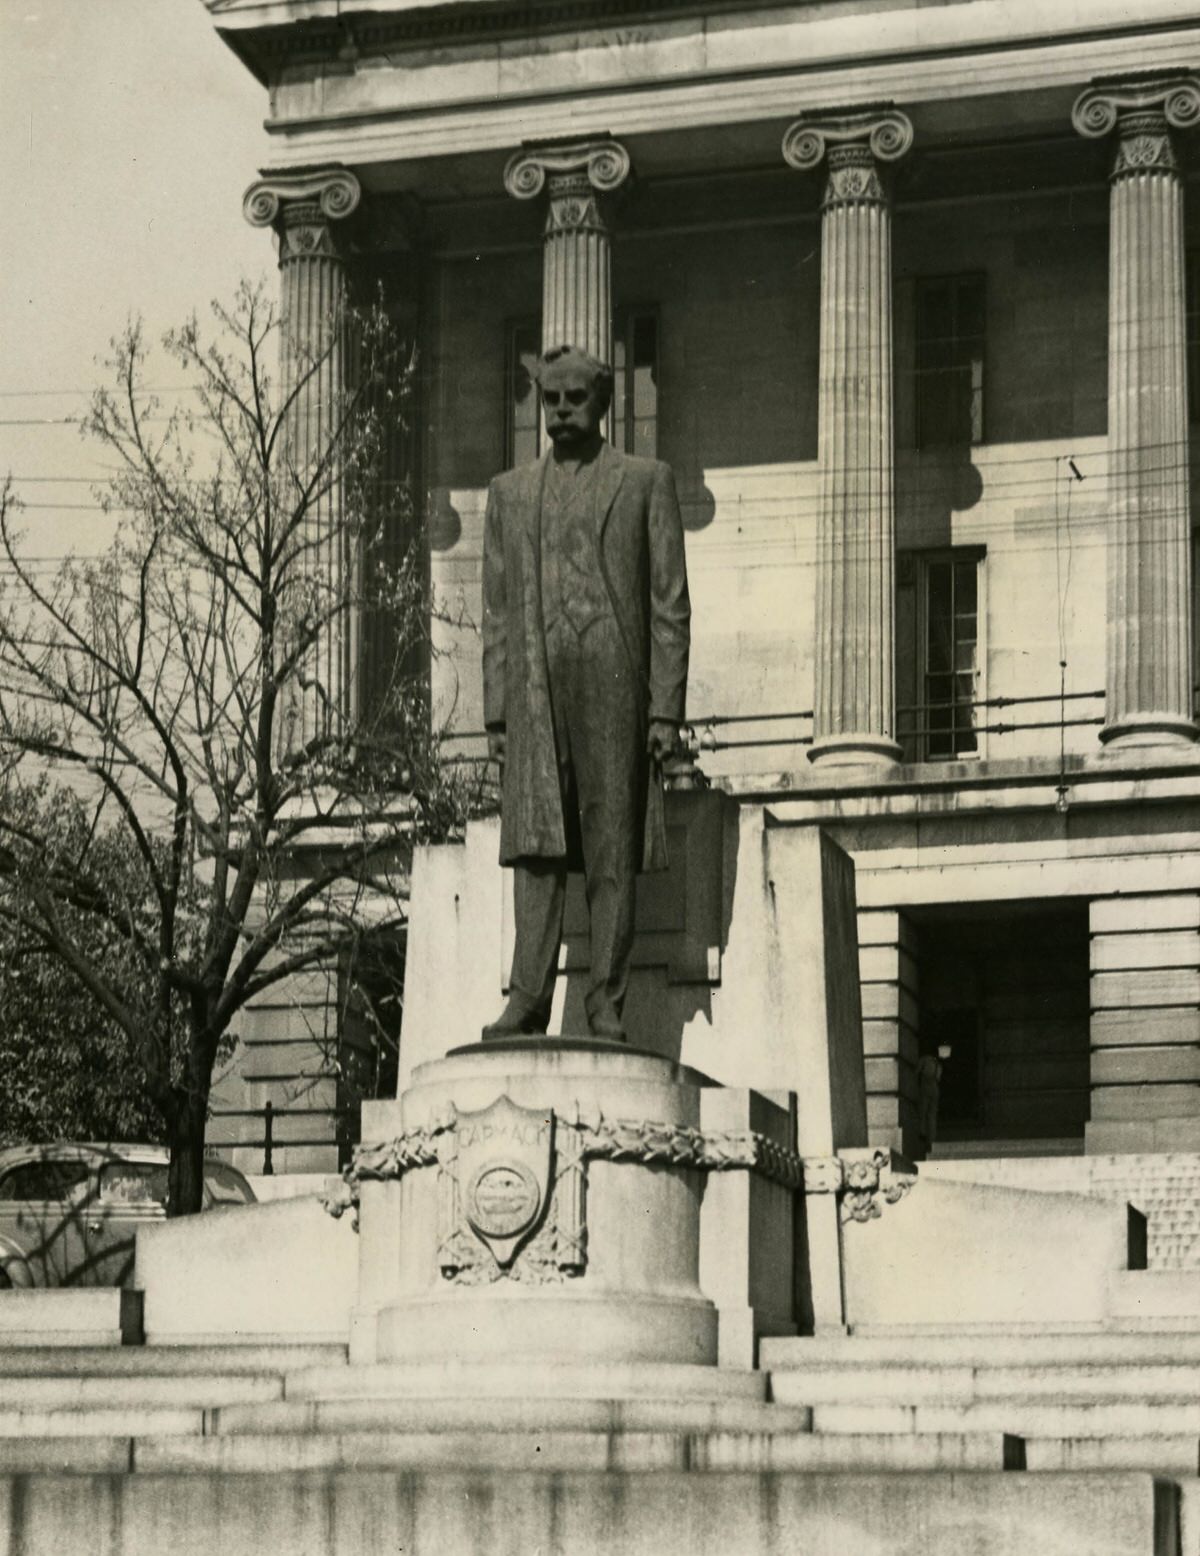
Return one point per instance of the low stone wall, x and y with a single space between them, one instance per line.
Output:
503 1513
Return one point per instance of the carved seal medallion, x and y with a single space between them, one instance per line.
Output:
504 1158
502 1199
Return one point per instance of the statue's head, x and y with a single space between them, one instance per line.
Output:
576 389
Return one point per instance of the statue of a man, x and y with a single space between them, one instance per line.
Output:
585 652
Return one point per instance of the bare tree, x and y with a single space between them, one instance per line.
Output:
199 686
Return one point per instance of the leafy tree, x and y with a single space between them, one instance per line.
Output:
196 686
70 1071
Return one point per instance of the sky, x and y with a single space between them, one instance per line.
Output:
128 134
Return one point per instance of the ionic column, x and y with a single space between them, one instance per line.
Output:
576 262
304 210
1149 632
854 709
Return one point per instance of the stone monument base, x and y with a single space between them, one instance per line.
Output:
548 1210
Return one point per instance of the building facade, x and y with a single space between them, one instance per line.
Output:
909 297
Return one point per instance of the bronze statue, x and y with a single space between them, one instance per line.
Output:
585 651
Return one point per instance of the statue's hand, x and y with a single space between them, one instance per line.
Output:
497 746
662 740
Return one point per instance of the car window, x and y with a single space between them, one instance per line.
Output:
133 1183
47 1179
226 1186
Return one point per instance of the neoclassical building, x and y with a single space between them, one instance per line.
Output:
907 295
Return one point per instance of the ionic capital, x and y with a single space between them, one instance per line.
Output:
852 146
1143 113
884 133
335 191
600 166
1100 107
301 206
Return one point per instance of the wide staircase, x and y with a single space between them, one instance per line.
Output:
990 1443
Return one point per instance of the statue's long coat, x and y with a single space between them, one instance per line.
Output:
641 551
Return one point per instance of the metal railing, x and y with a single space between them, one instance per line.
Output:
270 1142
706 737
705 731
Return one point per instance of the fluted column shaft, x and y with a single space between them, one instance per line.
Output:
576 252
1149 588
319 701
854 709
576 269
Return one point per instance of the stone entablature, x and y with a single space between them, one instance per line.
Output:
457 79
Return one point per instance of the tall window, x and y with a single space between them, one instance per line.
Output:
524 412
938 653
948 392
635 386
635 382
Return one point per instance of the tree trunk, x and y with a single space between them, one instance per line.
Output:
185 1176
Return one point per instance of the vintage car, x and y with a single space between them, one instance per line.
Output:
68 1212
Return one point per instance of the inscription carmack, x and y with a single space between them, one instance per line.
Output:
533 1131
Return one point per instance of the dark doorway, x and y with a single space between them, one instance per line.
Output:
1004 1008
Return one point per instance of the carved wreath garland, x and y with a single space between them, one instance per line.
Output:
556 1249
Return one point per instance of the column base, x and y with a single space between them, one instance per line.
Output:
1149 729
863 750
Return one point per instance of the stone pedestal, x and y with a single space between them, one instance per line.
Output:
1149 644
854 709
549 1210
575 1202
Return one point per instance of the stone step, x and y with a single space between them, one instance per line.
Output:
558 1451
67 1455
478 1512
1019 1417
1001 1349
165 1360
62 1391
1177 1454
520 1413
949 1384
68 1316
101 1421
458 1380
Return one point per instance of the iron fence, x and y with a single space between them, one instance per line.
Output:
270 1142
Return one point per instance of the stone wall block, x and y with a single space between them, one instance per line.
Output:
1135 914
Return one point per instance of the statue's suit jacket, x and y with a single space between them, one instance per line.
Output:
639 543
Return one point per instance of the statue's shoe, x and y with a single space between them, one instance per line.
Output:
517 1020
606 1024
